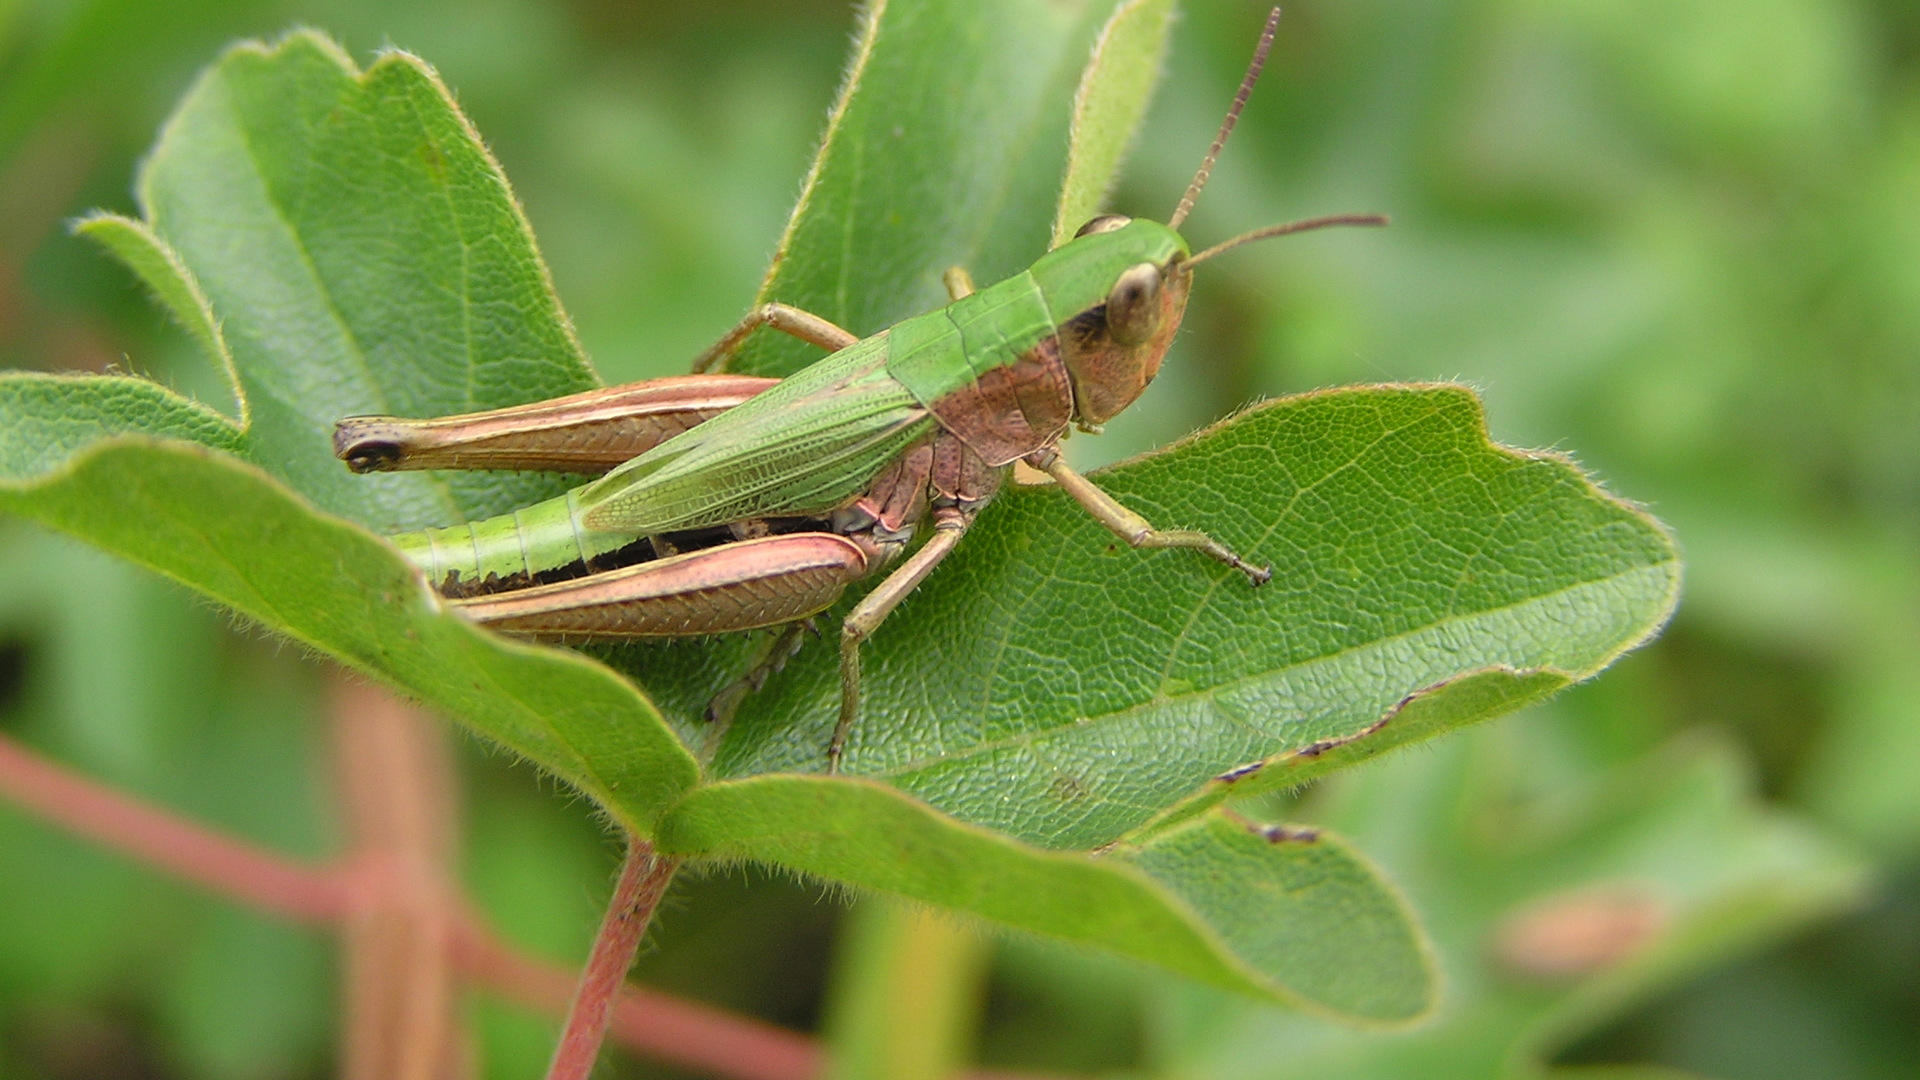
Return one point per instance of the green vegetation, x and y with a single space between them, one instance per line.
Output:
1638 248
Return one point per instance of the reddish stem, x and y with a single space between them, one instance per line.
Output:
667 1028
643 880
401 1015
647 1021
222 864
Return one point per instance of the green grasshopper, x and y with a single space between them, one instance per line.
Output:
737 503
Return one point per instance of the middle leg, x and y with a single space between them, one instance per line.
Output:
950 524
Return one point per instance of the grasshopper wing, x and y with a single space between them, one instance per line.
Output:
798 450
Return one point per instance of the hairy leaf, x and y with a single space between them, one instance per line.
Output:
238 536
1552 915
1113 97
1051 682
161 270
361 253
1152 903
345 240
46 419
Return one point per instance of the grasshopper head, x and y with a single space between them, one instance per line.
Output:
1125 282
1128 281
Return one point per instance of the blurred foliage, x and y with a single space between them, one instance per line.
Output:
1680 235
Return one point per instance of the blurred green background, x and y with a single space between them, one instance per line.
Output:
1679 239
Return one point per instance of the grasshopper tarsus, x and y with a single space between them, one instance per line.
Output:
1208 546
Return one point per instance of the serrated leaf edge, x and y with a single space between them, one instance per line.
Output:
200 322
863 44
268 50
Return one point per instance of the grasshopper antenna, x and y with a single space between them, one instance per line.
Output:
1288 229
1233 117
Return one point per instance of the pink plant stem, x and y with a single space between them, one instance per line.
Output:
648 1022
401 1017
664 1027
220 863
643 880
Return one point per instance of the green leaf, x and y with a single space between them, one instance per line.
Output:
45 419
1692 864
942 150
160 268
1423 714
356 250
1135 904
1050 682
1107 110
363 253
238 536
1300 906
346 239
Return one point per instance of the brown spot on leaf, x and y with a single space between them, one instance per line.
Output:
1315 749
1241 772
1289 834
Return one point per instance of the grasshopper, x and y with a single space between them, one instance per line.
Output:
737 503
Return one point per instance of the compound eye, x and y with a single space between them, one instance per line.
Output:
1134 313
1103 223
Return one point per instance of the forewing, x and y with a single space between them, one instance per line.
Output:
800 449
